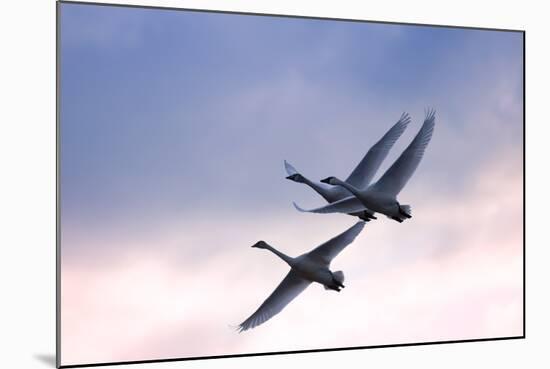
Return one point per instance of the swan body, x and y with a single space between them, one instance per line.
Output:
378 201
361 175
313 266
381 197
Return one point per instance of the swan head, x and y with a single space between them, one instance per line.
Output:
260 245
296 177
330 180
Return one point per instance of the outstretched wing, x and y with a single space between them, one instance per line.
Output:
397 176
328 250
290 287
368 166
347 205
290 170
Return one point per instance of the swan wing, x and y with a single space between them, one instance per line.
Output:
290 170
328 250
290 287
397 176
347 205
368 166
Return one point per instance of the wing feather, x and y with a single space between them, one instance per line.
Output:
397 176
328 250
368 166
346 205
290 287
290 170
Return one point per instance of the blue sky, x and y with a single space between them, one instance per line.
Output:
150 98
175 125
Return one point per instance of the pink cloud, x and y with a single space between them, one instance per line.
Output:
453 272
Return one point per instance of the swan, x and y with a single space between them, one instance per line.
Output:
381 197
361 175
312 266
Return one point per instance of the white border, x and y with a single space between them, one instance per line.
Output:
27 196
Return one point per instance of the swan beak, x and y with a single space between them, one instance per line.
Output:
326 180
257 244
289 177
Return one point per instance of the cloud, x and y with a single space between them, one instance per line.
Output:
453 272
172 167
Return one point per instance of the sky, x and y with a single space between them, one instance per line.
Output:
174 128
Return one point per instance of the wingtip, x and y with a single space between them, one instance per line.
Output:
286 164
405 118
290 170
237 328
430 114
297 207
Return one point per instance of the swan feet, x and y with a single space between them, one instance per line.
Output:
338 284
362 217
368 215
335 285
397 219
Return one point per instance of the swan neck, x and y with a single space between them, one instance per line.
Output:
286 258
318 187
354 190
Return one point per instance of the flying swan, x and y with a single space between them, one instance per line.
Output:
310 267
381 197
361 175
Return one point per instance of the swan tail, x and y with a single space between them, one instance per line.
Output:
407 211
338 280
338 276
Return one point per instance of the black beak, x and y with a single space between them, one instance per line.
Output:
326 180
290 177
257 244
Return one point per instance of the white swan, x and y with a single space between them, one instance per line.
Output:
381 197
361 175
304 269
